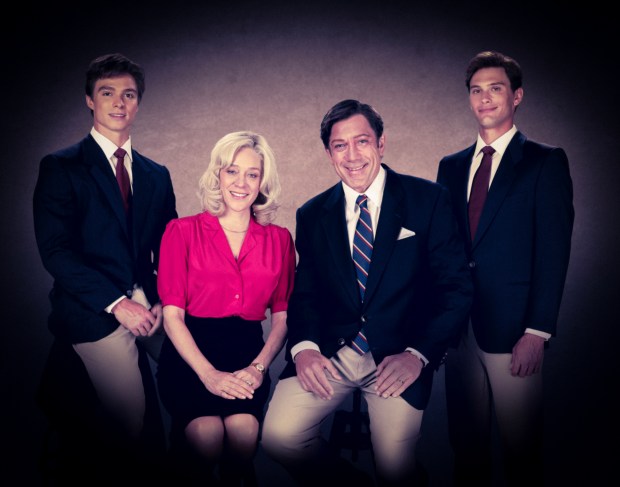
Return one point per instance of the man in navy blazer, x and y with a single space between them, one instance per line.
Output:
103 258
417 294
518 258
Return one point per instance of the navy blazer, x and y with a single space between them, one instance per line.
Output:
94 252
418 291
520 255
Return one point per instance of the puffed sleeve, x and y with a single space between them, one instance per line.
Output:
173 266
284 287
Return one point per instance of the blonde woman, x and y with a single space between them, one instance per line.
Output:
219 272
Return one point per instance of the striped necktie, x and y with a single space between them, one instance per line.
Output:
362 252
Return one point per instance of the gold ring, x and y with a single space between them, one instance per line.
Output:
248 382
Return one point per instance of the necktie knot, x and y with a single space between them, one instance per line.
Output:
120 154
488 150
362 201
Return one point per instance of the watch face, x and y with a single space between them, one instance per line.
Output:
259 367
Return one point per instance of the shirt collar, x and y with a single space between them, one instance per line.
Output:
374 191
499 144
108 147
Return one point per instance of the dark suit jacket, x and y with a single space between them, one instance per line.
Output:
520 256
93 251
418 290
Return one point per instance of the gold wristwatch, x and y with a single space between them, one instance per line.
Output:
259 367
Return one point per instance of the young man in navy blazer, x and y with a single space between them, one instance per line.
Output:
518 257
102 252
417 293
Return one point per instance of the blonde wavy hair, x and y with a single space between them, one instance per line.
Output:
223 155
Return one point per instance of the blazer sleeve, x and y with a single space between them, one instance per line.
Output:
554 217
59 239
303 317
450 288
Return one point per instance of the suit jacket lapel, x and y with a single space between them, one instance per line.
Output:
142 193
335 230
103 175
390 222
501 184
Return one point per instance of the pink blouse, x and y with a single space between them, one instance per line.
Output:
198 272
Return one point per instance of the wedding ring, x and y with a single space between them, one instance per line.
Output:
249 382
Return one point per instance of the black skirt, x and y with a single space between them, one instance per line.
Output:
229 344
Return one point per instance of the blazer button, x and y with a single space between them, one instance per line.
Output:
471 264
341 341
129 292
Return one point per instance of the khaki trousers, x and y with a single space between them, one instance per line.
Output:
112 365
480 390
291 430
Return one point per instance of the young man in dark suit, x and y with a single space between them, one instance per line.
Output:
99 215
517 239
408 305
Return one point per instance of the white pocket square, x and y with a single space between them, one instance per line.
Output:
405 233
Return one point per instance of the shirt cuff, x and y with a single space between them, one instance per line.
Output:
539 333
305 345
413 351
109 308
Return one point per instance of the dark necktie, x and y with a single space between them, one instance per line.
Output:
362 252
122 177
479 189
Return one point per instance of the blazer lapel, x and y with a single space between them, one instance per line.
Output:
390 222
335 228
501 184
142 193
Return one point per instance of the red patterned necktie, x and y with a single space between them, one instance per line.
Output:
122 177
479 190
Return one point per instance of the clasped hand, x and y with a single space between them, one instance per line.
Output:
240 384
137 319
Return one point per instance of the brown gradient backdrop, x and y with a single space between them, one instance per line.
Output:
276 69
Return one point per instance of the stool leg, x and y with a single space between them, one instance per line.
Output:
350 429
